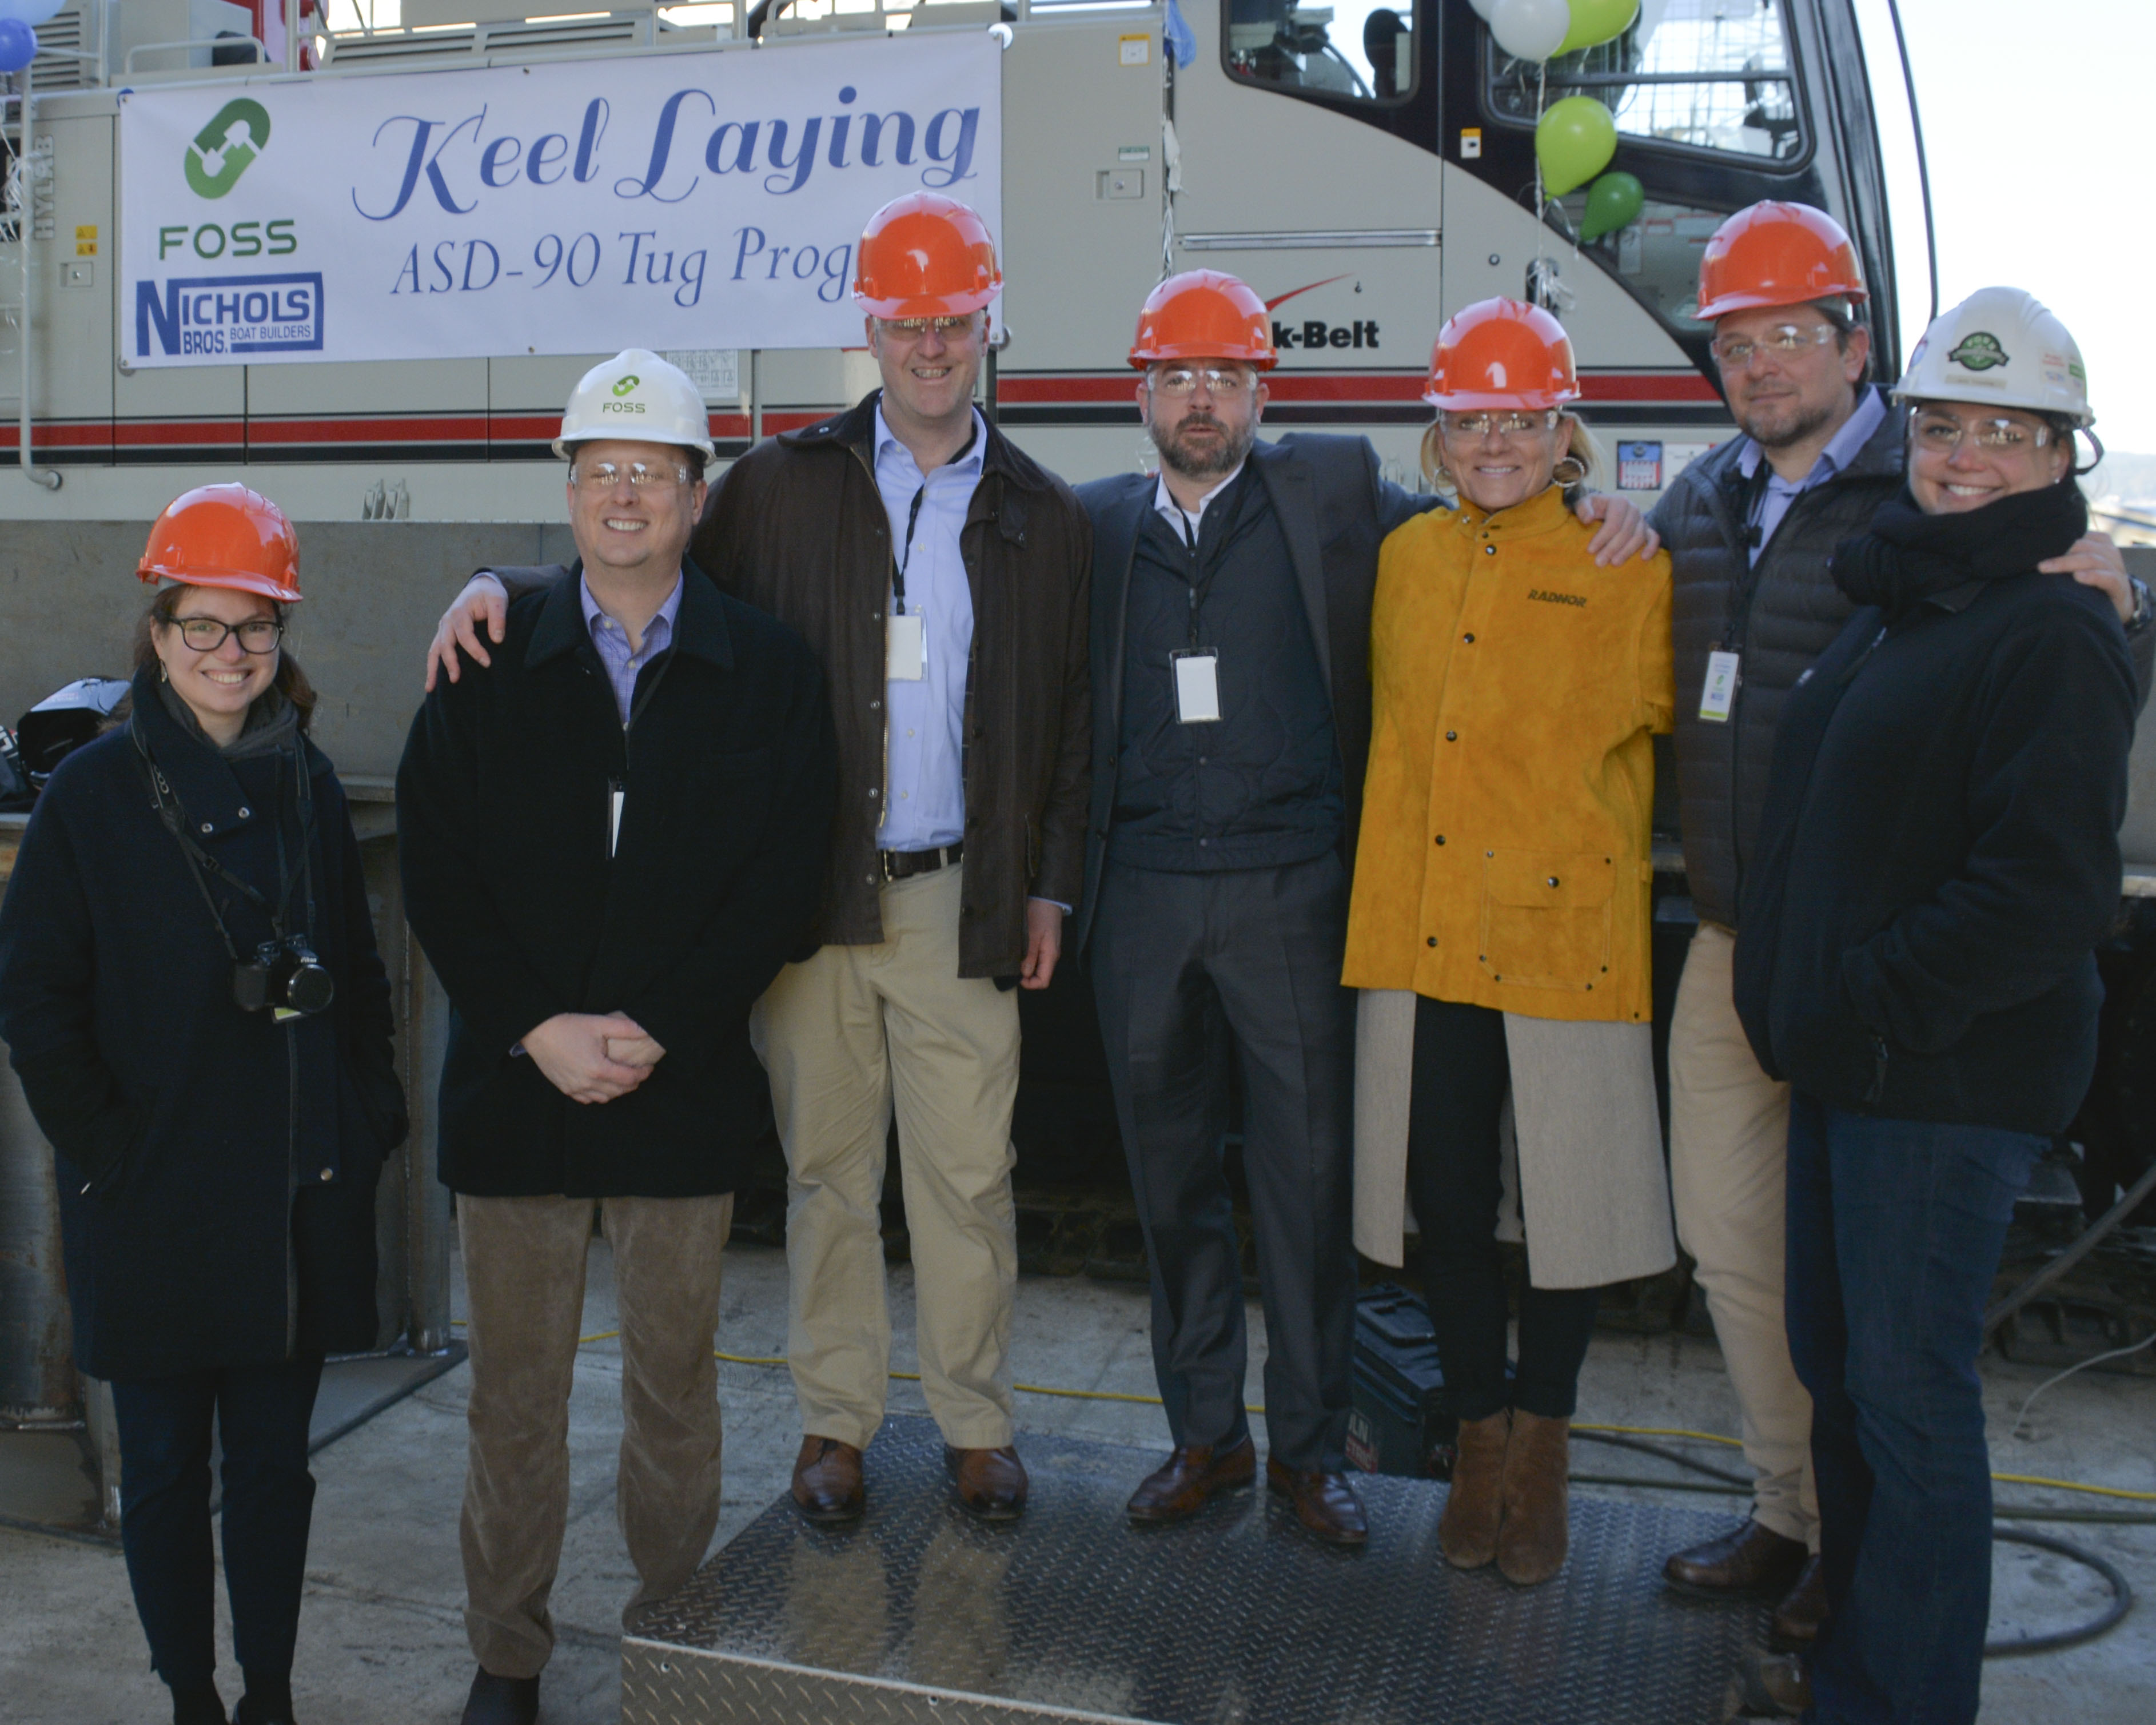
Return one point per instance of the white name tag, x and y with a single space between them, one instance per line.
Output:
1197 686
1719 693
616 797
906 649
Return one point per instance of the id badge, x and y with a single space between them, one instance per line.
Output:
906 649
1719 692
1197 684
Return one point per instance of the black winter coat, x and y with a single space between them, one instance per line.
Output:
230 1161
1938 853
1793 611
1335 508
502 807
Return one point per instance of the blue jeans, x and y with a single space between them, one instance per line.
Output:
1895 1230
164 1427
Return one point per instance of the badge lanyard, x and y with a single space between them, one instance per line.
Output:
906 641
1717 694
1197 668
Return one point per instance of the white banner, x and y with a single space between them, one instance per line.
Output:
674 201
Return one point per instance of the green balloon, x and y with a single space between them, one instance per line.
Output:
1573 143
1598 21
1612 201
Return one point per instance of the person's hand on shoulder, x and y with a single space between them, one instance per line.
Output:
2094 561
484 600
1623 531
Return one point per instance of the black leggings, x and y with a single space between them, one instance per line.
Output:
1461 1071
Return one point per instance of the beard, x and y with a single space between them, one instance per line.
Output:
1204 460
1777 425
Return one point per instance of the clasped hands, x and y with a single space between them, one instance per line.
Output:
593 1057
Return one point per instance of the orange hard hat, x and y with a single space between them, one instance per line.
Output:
923 255
1777 254
1501 353
1203 314
224 535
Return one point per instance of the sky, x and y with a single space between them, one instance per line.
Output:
2040 126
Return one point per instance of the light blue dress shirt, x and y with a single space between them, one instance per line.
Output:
925 763
1841 450
621 661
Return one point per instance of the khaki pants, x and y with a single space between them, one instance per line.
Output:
848 1036
1729 1133
524 1278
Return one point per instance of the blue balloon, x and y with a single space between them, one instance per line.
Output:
18 44
32 12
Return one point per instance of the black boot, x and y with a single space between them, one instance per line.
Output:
502 1700
268 1701
197 1704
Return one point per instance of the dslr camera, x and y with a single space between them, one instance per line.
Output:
285 979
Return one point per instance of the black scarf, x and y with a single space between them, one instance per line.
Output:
272 727
1907 556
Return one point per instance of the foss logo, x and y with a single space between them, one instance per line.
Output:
225 149
619 406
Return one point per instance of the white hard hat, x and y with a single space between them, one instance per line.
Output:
1999 347
640 397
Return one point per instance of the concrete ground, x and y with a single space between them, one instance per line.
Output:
382 1641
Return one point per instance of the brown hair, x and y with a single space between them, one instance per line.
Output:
290 681
1580 447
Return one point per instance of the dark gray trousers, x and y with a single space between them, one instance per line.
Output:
1190 971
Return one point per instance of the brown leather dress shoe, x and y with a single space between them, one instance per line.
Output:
1474 1504
991 1483
826 1481
1798 1618
1768 1686
1186 1483
1537 1530
1325 1503
1750 1561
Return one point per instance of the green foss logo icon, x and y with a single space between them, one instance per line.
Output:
221 151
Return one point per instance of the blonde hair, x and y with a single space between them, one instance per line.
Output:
1581 448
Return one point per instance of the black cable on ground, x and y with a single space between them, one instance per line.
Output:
2121 1599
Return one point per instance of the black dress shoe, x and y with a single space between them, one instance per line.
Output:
265 1704
827 1488
502 1700
1798 1618
1752 1561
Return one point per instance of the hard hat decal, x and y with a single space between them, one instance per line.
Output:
627 384
1980 352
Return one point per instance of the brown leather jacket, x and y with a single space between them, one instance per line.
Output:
797 527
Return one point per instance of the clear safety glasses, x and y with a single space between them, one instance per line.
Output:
1223 382
600 476
914 328
1732 353
1516 424
1942 434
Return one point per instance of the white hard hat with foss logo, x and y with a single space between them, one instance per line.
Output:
1999 347
636 395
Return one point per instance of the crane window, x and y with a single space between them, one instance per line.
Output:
1353 51
1702 75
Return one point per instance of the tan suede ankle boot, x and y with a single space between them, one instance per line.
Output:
1467 1532
1536 1530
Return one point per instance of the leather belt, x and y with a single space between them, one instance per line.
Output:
905 865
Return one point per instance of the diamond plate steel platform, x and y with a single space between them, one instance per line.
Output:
919 1613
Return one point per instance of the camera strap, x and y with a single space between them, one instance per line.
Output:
201 863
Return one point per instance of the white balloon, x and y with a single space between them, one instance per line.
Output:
32 12
1530 29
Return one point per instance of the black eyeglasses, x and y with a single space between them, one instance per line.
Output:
206 634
